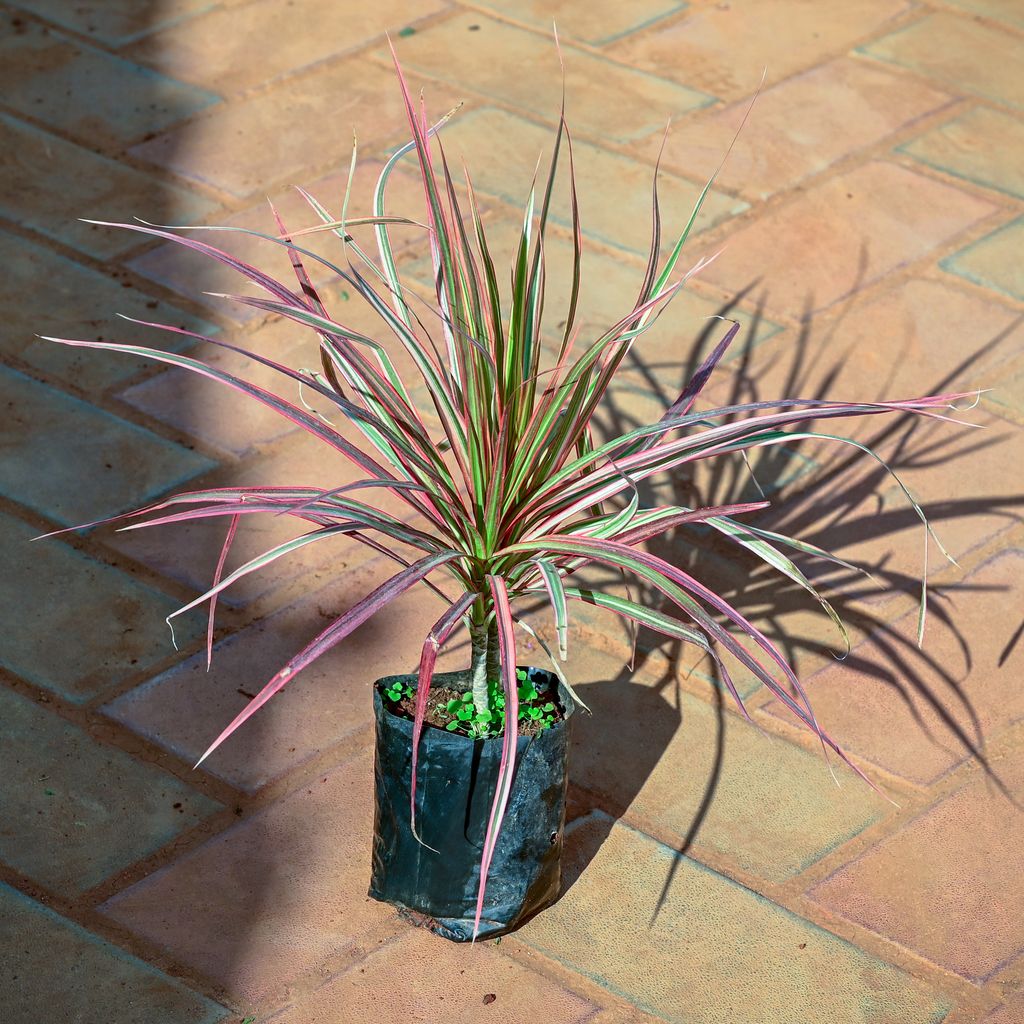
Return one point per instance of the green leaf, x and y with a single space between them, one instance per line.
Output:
528 692
556 593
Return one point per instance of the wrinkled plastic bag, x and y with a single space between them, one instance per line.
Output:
456 780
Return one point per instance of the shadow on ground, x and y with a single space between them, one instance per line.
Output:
832 505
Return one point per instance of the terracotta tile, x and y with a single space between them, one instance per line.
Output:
801 126
278 136
604 100
1010 1013
601 22
271 897
47 588
193 274
984 146
1002 10
614 191
233 48
184 709
1007 396
50 183
654 768
93 464
958 53
937 338
113 21
842 234
992 261
40 68
722 48
55 970
946 885
63 299
895 707
76 812
427 967
679 954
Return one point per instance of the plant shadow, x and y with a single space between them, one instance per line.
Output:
833 504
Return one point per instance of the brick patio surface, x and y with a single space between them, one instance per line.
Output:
871 222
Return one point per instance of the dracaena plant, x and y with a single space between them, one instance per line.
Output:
508 494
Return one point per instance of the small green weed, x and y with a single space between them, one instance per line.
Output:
480 725
396 691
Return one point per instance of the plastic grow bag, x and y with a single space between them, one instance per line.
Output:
456 778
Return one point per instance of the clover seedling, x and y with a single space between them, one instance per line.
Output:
476 723
396 691
491 721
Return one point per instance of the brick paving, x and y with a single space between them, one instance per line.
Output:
871 218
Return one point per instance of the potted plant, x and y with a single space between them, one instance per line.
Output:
509 496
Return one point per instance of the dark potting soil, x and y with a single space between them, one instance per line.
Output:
439 716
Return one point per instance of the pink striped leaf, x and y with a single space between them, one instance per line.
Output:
232 528
506 769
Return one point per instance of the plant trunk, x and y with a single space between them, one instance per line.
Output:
478 666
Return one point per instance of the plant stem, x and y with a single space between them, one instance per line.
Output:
478 665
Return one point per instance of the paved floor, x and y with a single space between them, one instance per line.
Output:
871 218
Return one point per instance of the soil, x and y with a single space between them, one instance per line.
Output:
438 715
